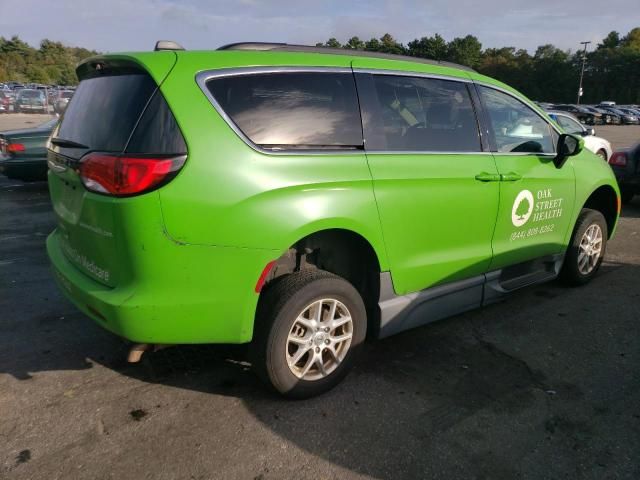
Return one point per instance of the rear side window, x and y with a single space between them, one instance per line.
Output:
105 109
292 110
424 114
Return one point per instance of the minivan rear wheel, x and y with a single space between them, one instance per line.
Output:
310 327
587 248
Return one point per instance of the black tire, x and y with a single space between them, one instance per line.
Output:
602 154
280 304
626 195
570 272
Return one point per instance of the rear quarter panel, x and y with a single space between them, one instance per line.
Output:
229 194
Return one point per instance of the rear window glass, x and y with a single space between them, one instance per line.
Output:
104 110
292 110
157 130
31 94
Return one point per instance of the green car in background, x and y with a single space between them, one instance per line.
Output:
301 199
30 101
23 153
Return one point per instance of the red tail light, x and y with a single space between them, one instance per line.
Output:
127 175
15 147
618 159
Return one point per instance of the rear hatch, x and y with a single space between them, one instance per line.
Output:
116 142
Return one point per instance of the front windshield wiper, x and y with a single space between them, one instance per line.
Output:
61 142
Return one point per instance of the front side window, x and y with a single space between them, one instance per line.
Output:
517 128
291 109
569 125
426 114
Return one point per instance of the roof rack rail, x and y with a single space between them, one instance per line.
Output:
287 47
162 45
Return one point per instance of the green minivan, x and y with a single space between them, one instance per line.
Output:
302 199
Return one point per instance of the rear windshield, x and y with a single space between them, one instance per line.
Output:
31 94
292 110
105 109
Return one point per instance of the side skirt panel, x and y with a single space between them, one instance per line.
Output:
400 313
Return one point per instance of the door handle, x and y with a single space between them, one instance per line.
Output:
488 177
510 177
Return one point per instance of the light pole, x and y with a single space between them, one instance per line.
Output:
584 59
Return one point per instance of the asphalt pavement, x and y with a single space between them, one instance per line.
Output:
545 385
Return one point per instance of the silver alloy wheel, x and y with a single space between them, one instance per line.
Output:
319 339
590 249
602 154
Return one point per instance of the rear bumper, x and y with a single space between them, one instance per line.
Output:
30 169
201 295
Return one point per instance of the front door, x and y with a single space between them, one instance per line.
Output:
536 197
437 190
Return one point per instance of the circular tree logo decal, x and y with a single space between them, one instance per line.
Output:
522 208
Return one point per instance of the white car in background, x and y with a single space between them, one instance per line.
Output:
570 124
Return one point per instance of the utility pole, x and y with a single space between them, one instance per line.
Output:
584 59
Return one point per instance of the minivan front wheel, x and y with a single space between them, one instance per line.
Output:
310 327
587 248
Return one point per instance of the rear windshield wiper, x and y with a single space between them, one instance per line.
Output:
61 142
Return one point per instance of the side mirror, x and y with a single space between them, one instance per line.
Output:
591 131
568 146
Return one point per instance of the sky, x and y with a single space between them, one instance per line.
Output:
125 25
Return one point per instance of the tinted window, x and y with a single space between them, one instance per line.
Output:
517 128
423 114
292 109
104 110
157 131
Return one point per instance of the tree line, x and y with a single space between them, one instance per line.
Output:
52 63
612 69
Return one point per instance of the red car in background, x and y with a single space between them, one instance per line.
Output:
5 102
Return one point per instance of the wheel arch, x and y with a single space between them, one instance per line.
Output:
605 200
344 252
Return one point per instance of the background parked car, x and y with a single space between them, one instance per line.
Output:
23 153
570 124
62 101
626 118
5 102
626 166
630 111
604 118
29 100
583 115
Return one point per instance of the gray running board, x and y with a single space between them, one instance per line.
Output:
403 312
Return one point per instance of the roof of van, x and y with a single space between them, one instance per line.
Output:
285 47
239 55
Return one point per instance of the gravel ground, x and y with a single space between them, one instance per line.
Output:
545 385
